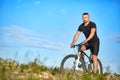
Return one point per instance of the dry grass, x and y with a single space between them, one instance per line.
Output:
11 70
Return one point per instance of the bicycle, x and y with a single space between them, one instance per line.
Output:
78 63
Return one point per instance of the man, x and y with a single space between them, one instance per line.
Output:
90 32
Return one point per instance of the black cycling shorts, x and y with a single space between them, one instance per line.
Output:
94 47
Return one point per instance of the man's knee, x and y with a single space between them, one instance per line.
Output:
83 48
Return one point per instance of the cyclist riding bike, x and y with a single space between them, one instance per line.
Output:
89 29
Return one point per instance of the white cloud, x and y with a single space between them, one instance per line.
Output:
18 36
37 2
63 10
115 37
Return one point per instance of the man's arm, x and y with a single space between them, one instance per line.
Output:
75 38
91 35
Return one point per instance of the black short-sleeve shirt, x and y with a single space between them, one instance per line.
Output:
87 29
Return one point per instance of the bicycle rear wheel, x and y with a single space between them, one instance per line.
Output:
68 62
100 68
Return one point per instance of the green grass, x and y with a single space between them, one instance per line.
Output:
11 70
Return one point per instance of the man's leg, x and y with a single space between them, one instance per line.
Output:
95 63
95 50
83 48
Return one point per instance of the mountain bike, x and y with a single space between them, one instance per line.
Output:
77 62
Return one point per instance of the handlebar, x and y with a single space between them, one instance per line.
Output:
78 45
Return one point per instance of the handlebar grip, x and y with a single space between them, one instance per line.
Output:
74 46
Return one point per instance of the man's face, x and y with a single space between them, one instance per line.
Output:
85 18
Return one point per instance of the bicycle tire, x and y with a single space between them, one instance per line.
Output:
71 56
100 65
100 70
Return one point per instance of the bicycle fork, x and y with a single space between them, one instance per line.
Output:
76 62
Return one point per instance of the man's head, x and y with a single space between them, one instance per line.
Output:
85 17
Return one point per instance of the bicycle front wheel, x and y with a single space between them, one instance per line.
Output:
68 63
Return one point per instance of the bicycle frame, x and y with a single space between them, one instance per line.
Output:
76 63
89 57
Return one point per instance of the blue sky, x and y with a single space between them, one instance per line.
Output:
44 29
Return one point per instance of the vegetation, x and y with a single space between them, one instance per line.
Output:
11 70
